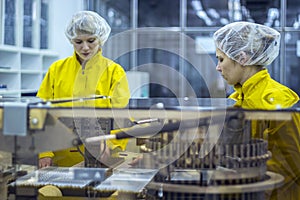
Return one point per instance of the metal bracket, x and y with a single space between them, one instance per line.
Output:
37 118
15 118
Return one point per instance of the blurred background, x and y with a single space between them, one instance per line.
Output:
165 46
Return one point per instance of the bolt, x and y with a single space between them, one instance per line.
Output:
34 121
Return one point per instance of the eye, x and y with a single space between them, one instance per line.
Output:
91 40
77 41
220 59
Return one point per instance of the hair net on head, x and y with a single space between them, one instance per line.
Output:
248 43
88 22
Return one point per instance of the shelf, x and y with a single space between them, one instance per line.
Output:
30 51
8 71
47 60
6 93
22 64
10 59
27 91
30 71
31 81
22 69
9 48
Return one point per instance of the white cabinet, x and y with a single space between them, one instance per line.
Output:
22 69
24 46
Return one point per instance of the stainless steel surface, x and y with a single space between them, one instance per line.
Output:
127 180
62 177
273 181
217 157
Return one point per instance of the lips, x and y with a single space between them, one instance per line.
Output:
85 54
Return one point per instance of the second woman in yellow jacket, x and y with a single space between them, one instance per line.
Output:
243 51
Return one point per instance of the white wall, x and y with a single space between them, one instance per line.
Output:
60 13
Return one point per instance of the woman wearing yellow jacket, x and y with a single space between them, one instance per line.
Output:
84 74
243 51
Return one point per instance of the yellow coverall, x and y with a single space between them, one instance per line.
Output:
67 79
262 92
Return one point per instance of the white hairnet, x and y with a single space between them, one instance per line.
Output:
88 22
248 43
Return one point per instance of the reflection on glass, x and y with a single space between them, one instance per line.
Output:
157 13
282 136
44 24
10 20
292 42
265 12
207 13
162 67
27 23
293 14
116 12
202 13
194 77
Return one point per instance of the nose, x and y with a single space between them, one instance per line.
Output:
85 45
218 68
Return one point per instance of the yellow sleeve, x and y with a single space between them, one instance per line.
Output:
120 95
284 143
119 91
47 154
46 90
113 144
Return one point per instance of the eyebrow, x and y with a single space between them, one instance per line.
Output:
87 38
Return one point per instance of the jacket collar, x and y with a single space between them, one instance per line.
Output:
94 59
250 85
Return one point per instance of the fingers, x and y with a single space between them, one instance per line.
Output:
136 160
45 162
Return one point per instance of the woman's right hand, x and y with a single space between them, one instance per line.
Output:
45 162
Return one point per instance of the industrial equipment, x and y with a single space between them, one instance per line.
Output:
188 149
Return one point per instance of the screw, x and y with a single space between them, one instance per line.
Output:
35 121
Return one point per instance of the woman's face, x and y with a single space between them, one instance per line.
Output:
230 70
86 46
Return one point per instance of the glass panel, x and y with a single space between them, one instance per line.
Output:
116 12
27 23
162 67
195 79
293 14
44 22
199 13
158 55
264 11
117 48
10 21
292 60
124 61
158 13
200 67
1 22
275 69
203 13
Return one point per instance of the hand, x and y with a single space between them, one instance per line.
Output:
136 160
45 162
105 154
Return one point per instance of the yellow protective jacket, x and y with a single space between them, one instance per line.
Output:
262 92
67 79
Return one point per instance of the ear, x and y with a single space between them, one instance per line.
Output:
243 58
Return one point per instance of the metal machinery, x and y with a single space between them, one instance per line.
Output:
188 149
